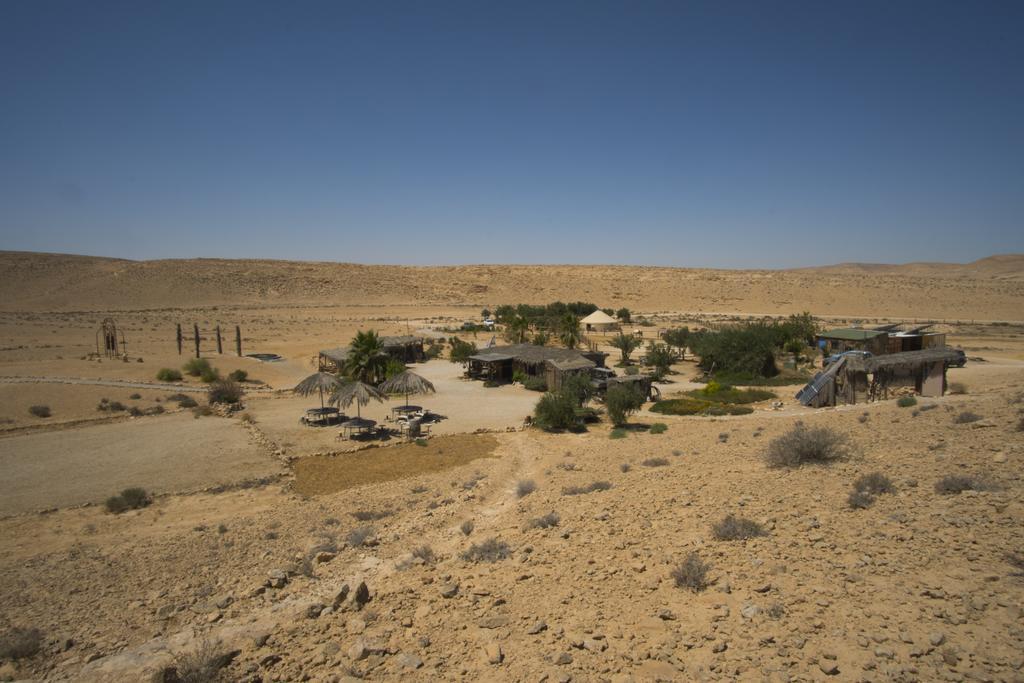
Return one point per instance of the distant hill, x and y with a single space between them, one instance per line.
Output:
991 288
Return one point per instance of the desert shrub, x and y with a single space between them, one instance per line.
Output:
153 410
958 483
183 400
129 499
966 417
40 411
555 411
732 528
225 391
20 643
692 406
621 401
370 515
617 433
906 401
956 388
589 488
210 376
544 522
238 375
723 437
425 553
658 428
359 536
860 499
862 418
466 527
490 550
625 467
135 397
534 383
655 462
111 406
202 411
929 406
202 665
804 445
421 442
692 573
168 375
875 484
1020 424
525 487
195 367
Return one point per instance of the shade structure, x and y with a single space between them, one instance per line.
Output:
359 392
407 382
318 382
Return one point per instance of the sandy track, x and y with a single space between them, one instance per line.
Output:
162 454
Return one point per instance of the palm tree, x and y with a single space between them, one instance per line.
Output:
366 360
517 329
626 344
569 331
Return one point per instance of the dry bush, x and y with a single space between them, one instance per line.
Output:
874 483
692 573
956 388
958 483
655 462
966 417
183 400
466 527
625 467
202 665
129 499
425 553
360 535
525 487
860 499
589 488
225 391
804 445
1017 562
545 522
40 411
732 528
490 550
20 643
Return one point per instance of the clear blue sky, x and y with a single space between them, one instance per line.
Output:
732 134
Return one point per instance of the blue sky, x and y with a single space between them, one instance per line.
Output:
727 134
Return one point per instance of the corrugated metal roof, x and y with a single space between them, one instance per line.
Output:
851 334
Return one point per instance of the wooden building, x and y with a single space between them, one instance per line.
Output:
853 339
500 363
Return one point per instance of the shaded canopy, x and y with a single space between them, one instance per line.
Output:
407 382
318 382
359 392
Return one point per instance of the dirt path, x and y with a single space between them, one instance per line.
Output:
123 384
162 454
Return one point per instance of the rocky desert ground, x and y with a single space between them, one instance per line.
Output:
277 552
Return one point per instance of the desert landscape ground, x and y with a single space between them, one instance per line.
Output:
495 551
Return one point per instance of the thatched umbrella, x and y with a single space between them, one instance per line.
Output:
407 382
319 381
360 392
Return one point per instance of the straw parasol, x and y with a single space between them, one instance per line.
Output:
360 392
319 381
407 382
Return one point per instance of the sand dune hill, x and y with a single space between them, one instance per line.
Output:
989 289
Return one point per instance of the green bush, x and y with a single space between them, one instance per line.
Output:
225 391
621 401
555 411
534 383
617 434
691 406
129 499
238 376
658 428
906 401
723 393
168 375
461 350
195 367
209 376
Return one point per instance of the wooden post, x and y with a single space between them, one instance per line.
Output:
179 339
238 340
220 349
195 330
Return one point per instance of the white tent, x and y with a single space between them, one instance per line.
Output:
599 321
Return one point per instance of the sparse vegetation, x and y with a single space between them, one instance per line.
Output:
359 536
658 428
692 573
874 484
715 392
129 499
544 522
466 527
238 376
168 375
732 528
490 550
525 487
20 643
40 411
202 665
225 391
692 406
370 515
625 467
956 388
860 499
966 417
425 553
108 406
617 433
655 462
183 400
957 483
906 401
589 488
804 445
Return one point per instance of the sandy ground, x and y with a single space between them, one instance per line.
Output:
168 453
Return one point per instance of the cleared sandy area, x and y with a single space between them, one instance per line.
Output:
162 454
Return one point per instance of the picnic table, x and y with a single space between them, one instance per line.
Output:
405 410
358 425
321 416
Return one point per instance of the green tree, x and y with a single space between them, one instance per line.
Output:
678 338
367 359
623 314
621 401
626 344
461 351
540 338
485 314
578 387
660 357
516 329
569 331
